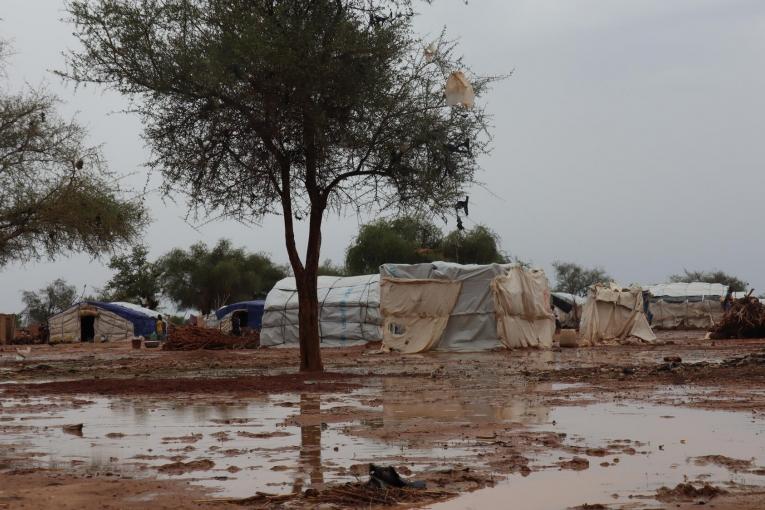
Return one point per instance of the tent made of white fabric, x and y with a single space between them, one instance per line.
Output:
349 312
695 305
452 307
613 314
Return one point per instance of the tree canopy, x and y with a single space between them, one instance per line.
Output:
207 279
411 240
575 279
478 245
137 280
42 304
57 194
255 107
715 276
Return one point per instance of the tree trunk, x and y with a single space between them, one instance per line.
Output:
308 322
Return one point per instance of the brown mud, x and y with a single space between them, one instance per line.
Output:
224 428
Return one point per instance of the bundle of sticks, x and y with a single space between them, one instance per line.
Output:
190 338
745 319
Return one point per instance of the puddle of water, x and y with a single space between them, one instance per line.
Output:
682 434
295 458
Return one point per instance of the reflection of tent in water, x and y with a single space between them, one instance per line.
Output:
250 314
91 320
456 405
451 307
694 305
614 314
349 312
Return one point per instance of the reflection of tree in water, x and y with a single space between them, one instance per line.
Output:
310 443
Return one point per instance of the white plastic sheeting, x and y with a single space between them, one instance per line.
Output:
421 311
613 315
695 305
349 312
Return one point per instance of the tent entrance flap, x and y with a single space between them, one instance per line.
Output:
87 328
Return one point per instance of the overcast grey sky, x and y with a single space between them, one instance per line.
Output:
630 136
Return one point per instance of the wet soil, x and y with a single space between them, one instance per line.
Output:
608 427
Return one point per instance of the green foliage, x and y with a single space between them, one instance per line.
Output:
327 268
715 276
57 195
54 298
412 240
402 240
478 245
575 279
136 279
207 279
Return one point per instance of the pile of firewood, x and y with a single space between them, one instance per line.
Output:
745 319
190 338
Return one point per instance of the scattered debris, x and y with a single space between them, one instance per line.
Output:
74 429
179 468
687 492
726 462
577 464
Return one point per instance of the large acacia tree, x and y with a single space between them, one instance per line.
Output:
56 193
294 107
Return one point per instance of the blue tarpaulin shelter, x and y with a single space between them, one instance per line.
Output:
143 324
254 311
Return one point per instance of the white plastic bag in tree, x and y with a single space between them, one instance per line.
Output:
430 52
459 91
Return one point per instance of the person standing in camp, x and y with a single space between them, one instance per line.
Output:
160 328
236 325
727 303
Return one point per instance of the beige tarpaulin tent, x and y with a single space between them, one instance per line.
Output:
90 321
694 305
451 307
614 314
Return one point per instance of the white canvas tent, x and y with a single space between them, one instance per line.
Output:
93 320
613 315
694 305
349 312
451 307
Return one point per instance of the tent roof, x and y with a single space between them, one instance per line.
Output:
137 308
687 289
242 305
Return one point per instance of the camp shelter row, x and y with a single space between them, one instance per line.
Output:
448 307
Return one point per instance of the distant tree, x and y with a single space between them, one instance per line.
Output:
42 304
406 240
479 245
714 276
136 279
327 268
207 279
575 279
56 194
256 106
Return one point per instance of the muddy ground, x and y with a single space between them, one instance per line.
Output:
674 425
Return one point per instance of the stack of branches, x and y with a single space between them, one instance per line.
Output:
745 319
190 338
350 495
